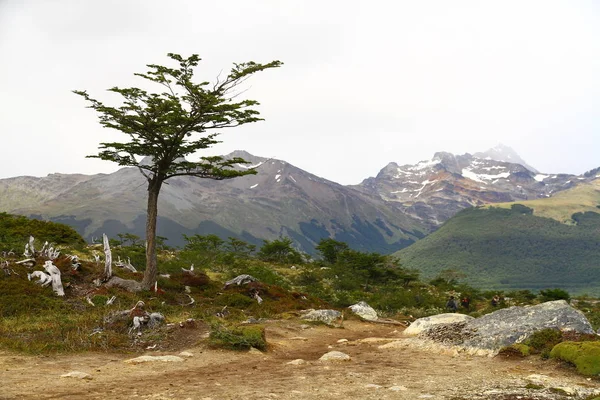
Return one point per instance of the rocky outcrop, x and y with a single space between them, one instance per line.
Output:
510 325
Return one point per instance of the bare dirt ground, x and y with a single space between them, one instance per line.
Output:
372 373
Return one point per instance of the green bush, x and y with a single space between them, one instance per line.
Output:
517 349
541 342
584 355
234 300
554 294
238 338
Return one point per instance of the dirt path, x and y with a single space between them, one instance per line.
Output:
373 372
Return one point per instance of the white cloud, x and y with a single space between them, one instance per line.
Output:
367 82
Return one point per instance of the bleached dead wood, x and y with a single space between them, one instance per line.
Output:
111 300
43 278
191 270
27 252
192 301
240 280
25 261
55 275
52 253
107 258
127 265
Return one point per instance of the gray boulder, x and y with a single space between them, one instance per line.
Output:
425 323
327 316
365 311
510 325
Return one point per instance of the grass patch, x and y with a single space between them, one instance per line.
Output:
238 338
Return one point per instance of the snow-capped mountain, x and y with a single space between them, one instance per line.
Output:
504 153
436 189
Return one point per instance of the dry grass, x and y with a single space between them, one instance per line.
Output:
561 206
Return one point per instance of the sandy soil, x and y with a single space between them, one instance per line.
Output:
372 373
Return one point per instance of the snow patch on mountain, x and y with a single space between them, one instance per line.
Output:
540 177
422 165
483 178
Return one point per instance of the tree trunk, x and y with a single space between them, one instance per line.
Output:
151 216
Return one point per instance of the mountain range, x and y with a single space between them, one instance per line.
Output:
384 213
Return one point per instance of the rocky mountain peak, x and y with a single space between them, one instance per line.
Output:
501 152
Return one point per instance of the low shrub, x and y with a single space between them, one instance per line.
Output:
542 341
515 350
584 355
238 338
237 300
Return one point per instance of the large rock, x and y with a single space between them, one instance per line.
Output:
365 311
423 324
327 316
510 325
334 356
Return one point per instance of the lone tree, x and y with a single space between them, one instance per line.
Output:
168 126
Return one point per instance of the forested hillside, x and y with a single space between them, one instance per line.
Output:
512 248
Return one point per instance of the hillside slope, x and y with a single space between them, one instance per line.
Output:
513 248
281 200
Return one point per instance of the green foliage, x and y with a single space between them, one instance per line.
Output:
279 251
520 208
542 341
238 338
16 229
584 355
554 294
508 249
329 249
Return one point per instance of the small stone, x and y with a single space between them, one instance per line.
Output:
255 351
186 354
568 391
398 388
538 379
304 326
342 341
299 338
335 356
297 361
143 359
78 375
373 386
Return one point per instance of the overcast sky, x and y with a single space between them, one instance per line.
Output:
364 82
